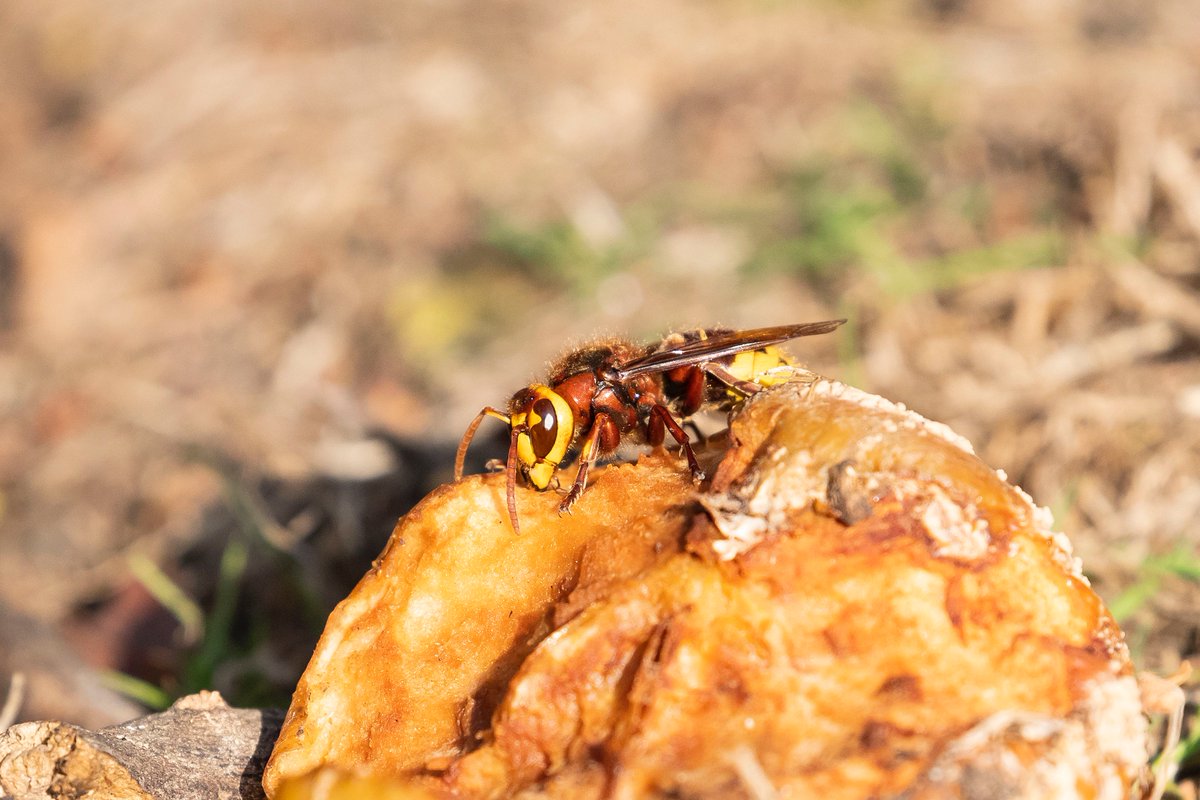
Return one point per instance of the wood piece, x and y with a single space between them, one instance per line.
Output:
199 749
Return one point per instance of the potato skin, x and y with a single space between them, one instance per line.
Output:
856 606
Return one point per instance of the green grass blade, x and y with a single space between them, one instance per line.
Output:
169 595
137 689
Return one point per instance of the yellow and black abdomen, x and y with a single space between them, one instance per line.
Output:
691 388
759 366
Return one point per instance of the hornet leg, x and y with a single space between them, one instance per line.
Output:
661 414
602 437
729 379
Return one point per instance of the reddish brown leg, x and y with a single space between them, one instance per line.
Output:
729 379
680 435
602 437
692 397
655 431
461 456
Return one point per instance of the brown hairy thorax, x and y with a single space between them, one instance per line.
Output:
575 376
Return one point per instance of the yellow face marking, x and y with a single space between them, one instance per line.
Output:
554 427
541 473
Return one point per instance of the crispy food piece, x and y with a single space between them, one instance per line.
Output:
330 783
855 607
412 663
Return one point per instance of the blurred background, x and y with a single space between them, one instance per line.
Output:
260 265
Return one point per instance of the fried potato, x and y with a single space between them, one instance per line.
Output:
856 606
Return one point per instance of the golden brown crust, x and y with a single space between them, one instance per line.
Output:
857 606
414 660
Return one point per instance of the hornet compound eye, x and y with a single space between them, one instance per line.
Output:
543 427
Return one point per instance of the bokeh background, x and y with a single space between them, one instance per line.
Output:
261 264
